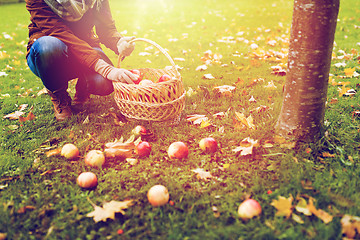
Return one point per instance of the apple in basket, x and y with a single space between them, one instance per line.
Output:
145 82
138 74
164 78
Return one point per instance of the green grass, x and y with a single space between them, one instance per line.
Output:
60 206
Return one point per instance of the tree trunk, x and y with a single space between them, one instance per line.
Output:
311 43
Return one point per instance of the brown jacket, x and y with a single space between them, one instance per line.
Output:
78 36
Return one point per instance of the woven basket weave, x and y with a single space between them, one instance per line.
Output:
160 102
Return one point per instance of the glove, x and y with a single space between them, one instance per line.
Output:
124 47
114 74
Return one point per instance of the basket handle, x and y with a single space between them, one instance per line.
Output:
121 58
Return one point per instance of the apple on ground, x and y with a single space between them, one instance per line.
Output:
95 158
138 130
69 151
248 209
164 78
178 150
137 73
143 149
208 145
158 195
87 180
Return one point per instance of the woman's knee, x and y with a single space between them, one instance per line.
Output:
48 48
98 85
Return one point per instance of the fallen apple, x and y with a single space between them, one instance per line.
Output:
178 150
138 74
249 208
95 158
145 82
158 195
164 78
208 145
69 151
138 130
143 149
87 180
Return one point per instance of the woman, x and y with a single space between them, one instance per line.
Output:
63 46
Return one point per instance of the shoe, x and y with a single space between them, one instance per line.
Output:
82 95
62 104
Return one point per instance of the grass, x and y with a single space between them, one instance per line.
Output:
57 207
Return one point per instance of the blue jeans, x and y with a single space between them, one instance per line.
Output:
50 60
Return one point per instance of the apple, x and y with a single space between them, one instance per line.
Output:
87 180
208 145
145 82
138 74
69 151
249 208
143 149
158 195
138 130
178 150
95 158
164 78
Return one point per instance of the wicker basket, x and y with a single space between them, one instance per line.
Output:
159 102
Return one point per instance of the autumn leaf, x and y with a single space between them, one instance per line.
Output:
53 152
225 90
196 118
120 149
29 117
108 210
350 226
208 76
324 216
283 206
247 121
246 146
13 116
301 207
202 175
349 72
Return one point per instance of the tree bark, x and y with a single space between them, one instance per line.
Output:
305 92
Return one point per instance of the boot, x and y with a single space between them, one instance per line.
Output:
62 103
82 95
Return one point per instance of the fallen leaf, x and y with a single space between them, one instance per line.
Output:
246 146
208 76
225 90
283 206
349 72
202 175
14 116
53 152
350 226
247 121
29 117
108 210
324 216
196 118
301 207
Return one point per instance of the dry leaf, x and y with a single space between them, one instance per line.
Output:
225 90
202 175
53 152
208 76
196 118
350 226
29 117
301 207
247 121
14 116
283 206
108 210
349 72
121 149
246 146
324 216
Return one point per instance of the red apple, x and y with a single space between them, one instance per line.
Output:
164 78
158 195
178 150
145 82
95 158
137 73
208 145
69 151
143 149
248 209
138 130
87 180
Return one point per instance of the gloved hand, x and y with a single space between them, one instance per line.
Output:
124 47
114 74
